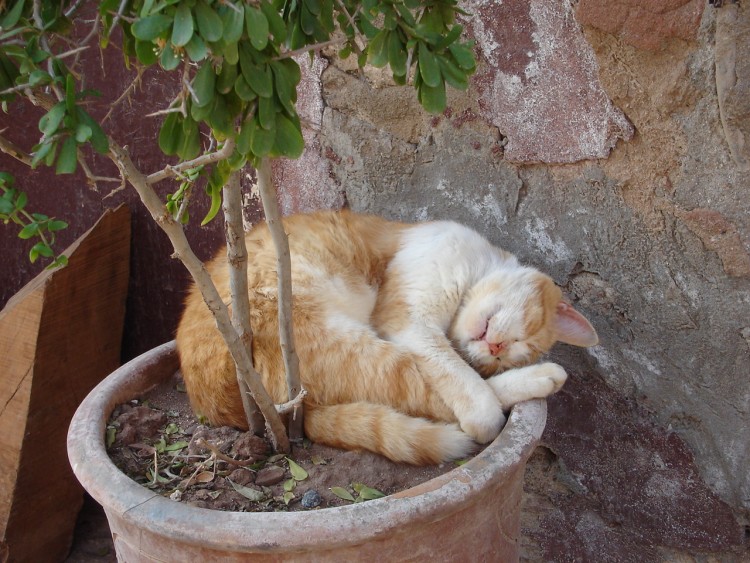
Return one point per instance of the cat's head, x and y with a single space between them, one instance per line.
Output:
510 318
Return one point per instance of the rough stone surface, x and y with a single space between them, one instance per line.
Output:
648 235
538 84
733 79
643 23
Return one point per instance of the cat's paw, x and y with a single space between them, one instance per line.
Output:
483 420
532 382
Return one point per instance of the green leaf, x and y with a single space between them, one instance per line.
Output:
168 59
275 22
261 140
397 55
51 120
428 67
176 446
257 27
231 53
67 160
111 433
182 30
99 139
148 29
220 119
210 25
243 90
83 133
366 492
433 99
377 51
169 138
56 225
29 231
215 193
247 492
342 493
196 48
40 249
288 496
289 141
260 80
12 16
191 143
70 94
298 473
464 56
227 77
233 22
203 85
285 89
307 20
146 52
453 75
245 136
266 113
289 485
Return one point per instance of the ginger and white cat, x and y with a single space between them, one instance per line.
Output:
413 339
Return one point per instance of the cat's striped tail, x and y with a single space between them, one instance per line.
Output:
386 431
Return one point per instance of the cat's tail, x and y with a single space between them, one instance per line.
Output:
386 431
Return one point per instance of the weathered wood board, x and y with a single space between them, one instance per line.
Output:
59 336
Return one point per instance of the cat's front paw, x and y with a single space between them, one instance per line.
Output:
531 382
483 420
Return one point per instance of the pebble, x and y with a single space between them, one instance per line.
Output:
311 499
269 476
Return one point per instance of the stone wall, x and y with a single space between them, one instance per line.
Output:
603 142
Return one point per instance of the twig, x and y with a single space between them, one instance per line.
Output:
292 405
12 150
92 178
126 93
117 17
284 275
308 48
220 456
202 160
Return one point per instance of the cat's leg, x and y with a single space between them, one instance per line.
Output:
530 382
476 408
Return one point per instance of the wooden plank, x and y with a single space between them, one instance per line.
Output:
61 334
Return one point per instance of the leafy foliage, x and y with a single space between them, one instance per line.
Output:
33 225
235 56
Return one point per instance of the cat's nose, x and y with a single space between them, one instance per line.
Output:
497 347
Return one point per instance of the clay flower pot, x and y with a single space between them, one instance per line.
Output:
471 512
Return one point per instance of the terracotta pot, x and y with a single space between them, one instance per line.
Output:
470 513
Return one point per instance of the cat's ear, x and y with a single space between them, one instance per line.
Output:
571 327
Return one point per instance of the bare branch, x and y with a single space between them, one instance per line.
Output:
208 290
284 273
11 149
292 405
308 48
237 262
202 160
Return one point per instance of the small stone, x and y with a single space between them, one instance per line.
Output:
311 499
241 476
269 476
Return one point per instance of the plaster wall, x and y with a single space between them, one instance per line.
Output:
603 142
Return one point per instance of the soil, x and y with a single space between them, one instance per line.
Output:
158 442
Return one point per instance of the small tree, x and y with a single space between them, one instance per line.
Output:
237 106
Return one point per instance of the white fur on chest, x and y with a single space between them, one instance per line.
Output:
437 263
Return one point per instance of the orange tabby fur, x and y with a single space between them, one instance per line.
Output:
366 389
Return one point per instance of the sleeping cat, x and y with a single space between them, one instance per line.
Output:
396 327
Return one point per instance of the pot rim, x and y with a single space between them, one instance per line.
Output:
303 530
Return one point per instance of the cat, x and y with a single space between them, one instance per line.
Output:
413 339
